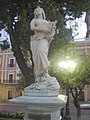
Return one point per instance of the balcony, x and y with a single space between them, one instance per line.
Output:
10 81
11 65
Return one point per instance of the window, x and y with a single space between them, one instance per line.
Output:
10 78
11 62
81 96
9 94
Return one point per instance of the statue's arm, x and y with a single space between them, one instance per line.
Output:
38 28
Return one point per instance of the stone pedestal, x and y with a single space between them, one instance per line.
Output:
42 98
41 105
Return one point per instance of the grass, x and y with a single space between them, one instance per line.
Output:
8 119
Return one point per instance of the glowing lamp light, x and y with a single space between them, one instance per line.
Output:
67 64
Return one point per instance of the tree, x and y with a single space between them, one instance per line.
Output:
17 16
77 78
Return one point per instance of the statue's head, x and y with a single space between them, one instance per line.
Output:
39 11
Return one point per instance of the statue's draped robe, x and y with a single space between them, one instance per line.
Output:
39 47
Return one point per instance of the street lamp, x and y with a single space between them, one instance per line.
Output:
67 65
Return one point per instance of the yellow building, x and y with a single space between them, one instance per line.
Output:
9 79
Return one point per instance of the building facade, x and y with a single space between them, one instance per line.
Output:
9 78
83 46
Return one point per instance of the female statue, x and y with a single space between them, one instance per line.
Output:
43 34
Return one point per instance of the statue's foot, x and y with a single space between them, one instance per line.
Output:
37 79
47 75
40 78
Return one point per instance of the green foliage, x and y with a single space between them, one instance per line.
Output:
82 71
78 76
2 118
5 115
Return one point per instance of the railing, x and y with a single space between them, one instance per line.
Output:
10 81
82 39
11 65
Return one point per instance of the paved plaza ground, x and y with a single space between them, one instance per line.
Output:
85 114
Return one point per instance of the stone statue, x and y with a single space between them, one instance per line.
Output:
44 32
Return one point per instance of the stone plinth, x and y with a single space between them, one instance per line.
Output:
41 105
42 98
46 87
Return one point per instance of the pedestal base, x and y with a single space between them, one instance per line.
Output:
41 105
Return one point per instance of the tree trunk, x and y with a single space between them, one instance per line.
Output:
27 72
77 105
76 102
78 113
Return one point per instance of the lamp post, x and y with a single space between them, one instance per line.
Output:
67 65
